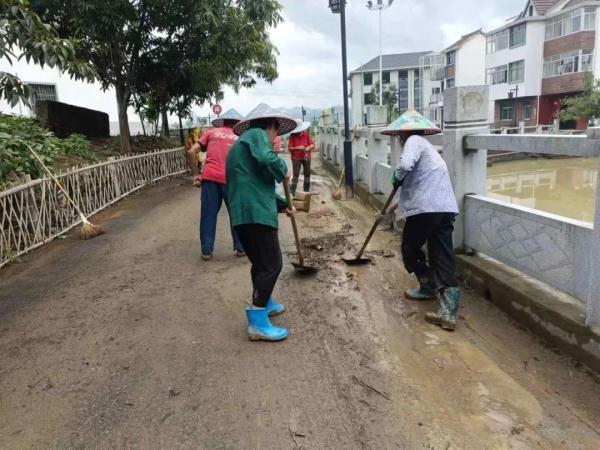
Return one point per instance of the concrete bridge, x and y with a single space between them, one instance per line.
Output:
557 259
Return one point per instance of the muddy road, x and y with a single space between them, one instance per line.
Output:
131 341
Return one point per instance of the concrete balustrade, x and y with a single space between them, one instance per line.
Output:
560 252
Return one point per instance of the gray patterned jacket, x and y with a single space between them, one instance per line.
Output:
426 186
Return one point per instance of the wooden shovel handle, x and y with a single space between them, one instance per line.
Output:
288 197
374 227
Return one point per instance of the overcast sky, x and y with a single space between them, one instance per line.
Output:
309 43
309 48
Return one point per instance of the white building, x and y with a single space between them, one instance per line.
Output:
461 64
540 58
402 71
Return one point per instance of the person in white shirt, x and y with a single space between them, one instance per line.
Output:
427 202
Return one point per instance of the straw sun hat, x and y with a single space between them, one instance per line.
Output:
264 111
411 121
232 116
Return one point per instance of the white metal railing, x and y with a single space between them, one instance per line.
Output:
35 213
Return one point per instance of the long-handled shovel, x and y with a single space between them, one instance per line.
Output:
359 260
300 266
338 194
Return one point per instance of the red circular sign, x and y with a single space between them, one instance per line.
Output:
217 109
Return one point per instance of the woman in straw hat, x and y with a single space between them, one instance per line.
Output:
300 146
426 200
216 143
253 169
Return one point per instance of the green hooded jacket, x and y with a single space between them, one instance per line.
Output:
252 170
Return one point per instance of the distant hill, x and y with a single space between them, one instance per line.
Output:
311 113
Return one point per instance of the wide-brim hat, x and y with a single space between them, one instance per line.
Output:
411 121
264 111
232 116
302 126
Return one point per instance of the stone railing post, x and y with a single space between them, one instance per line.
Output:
465 112
593 300
377 154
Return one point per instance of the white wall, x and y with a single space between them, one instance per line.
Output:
69 91
597 47
356 81
470 62
533 54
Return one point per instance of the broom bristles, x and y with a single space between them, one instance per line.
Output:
90 231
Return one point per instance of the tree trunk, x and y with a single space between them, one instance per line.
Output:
165 122
122 104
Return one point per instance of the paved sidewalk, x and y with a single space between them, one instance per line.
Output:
131 341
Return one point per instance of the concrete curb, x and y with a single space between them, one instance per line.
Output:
553 315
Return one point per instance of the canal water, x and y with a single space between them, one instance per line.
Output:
566 187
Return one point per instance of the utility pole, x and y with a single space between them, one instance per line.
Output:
339 7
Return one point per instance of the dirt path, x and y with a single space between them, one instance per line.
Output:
130 341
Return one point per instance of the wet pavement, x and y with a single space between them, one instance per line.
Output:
131 341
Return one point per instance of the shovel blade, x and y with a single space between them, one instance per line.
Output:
357 261
306 270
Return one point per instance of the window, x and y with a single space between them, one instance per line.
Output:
516 72
517 35
451 58
581 19
403 90
510 37
40 92
367 99
418 102
531 11
498 75
527 111
436 95
450 83
571 62
506 111
498 41
386 78
367 79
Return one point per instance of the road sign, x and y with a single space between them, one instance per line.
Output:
217 109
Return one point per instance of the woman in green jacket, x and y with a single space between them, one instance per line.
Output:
253 168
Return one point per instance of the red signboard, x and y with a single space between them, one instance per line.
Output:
217 109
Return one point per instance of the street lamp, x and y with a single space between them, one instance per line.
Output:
339 7
380 5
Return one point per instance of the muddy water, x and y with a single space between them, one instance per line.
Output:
566 187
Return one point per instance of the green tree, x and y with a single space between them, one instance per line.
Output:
172 53
390 99
586 105
24 35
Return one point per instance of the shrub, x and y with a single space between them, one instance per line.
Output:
15 158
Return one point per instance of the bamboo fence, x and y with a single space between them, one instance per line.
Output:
35 213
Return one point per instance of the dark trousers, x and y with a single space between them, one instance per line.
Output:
261 244
435 230
296 166
212 196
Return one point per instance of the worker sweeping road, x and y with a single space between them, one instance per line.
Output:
301 146
216 143
253 168
426 200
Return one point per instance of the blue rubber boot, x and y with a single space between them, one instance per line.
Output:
445 317
423 292
260 328
274 309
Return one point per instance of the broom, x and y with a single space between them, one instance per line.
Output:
338 194
88 229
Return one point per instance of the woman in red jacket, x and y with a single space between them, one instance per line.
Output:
300 146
